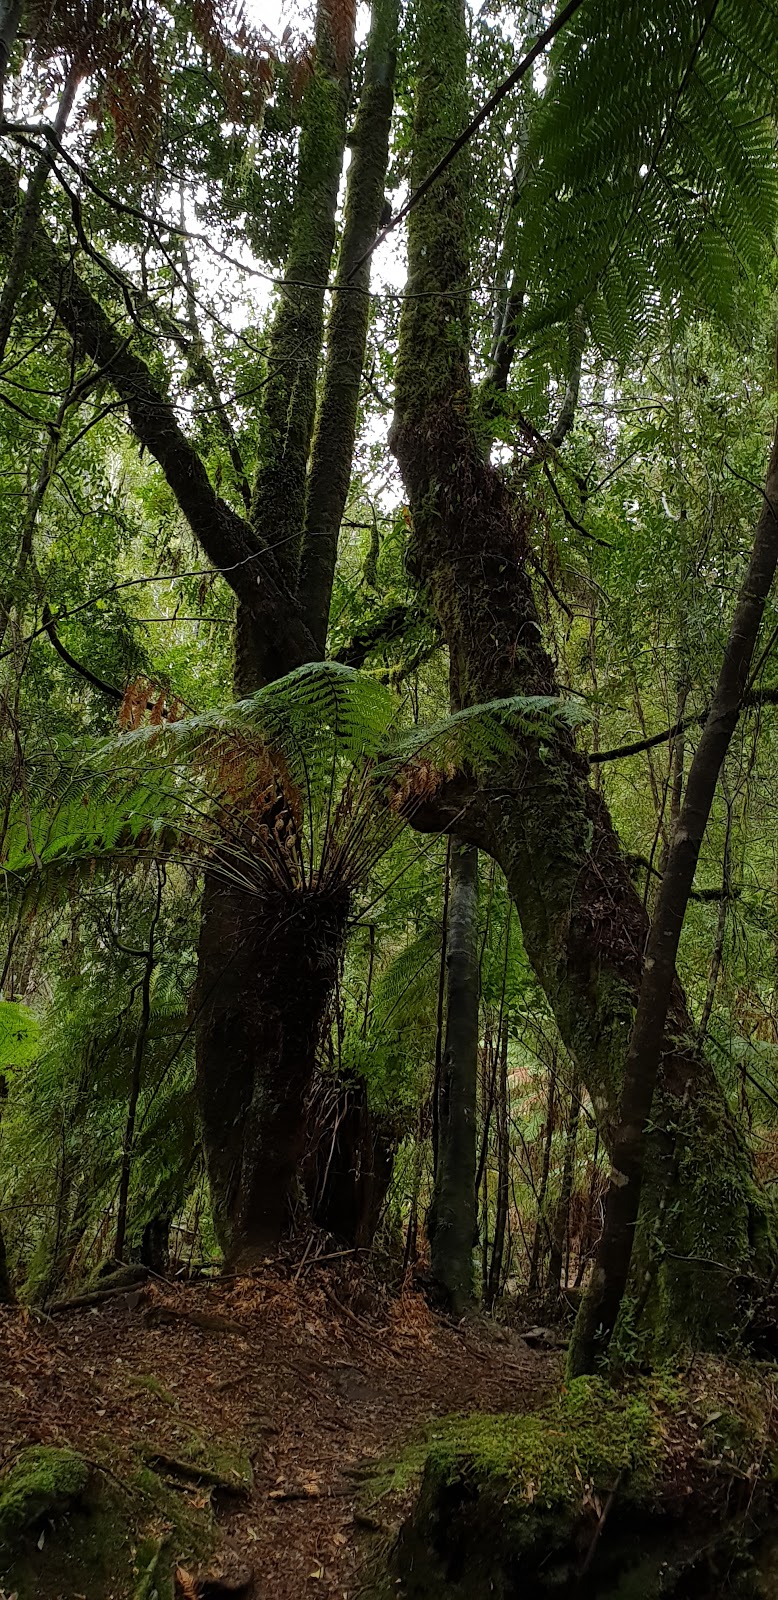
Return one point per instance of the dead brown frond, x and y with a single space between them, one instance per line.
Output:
186 1585
143 696
240 51
121 49
341 17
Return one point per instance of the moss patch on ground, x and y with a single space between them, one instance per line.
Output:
68 1526
219 1461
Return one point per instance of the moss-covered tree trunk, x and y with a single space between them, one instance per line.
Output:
336 421
266 973
451 1224
598 1314
583 924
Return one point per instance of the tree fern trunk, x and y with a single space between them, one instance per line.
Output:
452 1217
267 967
583 924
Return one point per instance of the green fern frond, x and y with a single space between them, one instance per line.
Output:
656 181
481 735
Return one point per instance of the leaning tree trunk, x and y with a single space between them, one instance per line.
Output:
600 1308
583 924
451 1224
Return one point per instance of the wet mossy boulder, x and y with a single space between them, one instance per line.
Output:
602 1495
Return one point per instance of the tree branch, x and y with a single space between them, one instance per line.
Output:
519 71
226 538
756 697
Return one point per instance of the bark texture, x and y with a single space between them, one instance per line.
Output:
336 422
289 398
583 924
259 1023
451 1224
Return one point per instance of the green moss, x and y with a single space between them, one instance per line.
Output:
67 1527
147 1381
512 1505
42 1482
503 1497
580 1442
222 1457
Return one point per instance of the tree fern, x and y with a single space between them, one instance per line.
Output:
292 783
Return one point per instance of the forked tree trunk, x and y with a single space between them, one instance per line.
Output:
583 924
267 967
451 1225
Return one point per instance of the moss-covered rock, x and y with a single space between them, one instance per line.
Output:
602 1494
42 1483
68 1527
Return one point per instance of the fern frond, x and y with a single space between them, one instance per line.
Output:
652 172
481 735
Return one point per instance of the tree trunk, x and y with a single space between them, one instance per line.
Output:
348 1166
336 421
451 1224
583 924
135 1080
560 1224
540 1239
501 1209
155 1245
30 211
602 1302
440 1009
267 966
247 1042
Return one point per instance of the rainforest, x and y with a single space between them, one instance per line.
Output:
388 799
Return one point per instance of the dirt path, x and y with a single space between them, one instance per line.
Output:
312 1372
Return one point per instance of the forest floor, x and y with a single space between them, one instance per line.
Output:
309 1371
